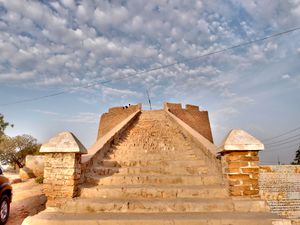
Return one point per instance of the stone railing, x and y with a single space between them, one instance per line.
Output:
237 157
97 151
279 185
207 147
67 161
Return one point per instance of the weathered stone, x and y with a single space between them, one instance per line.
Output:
239 151
62 143
240 140
155 171
36 164
62 168
279 185
26 173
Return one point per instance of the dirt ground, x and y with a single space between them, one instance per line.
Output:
28 199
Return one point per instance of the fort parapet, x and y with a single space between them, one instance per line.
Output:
192 116
113 117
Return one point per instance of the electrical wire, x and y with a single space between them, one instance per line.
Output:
157 68
283 134
297 137
284 144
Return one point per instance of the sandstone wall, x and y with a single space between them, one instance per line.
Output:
192 116
62 176
280 186
113 117
242 171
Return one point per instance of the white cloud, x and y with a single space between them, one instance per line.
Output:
285 77
82 117
45 112
119 93
74 42
17 76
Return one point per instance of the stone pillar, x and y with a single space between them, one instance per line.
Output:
240 162
62 167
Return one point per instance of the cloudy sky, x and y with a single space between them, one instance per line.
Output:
51 46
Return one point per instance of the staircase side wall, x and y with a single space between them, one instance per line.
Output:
280 186
97 151
192 116
208 148
113 117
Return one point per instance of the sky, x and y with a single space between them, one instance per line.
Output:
49 47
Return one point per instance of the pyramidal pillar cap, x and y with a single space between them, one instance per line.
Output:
240 140
64 142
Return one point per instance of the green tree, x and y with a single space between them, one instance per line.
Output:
3 125
297 157
13 150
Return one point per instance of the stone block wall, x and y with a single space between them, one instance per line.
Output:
242 171
280 186
192 116
113 117
62 175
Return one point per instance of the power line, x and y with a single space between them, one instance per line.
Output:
283 134
287 142
286 139
157 68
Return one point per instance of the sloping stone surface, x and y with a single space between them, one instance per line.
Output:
64 142
240 140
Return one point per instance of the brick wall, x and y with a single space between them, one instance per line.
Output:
192 116
113 117
280 186
242 171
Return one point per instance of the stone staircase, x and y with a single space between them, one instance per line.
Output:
155 174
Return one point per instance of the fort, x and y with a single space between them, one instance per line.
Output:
162 167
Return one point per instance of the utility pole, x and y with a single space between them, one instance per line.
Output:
148 99
278 160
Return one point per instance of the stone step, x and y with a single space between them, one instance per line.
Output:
153 146
146 191
117 179
166 145
212 218
161 156
103 170
153 154
157 163
97 205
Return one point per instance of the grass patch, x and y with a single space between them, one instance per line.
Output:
39 180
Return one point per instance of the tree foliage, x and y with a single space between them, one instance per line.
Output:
13 150
297 157
3 125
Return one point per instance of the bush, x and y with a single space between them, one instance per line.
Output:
39 179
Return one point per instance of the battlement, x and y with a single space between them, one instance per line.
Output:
192 116
188 107
114 116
